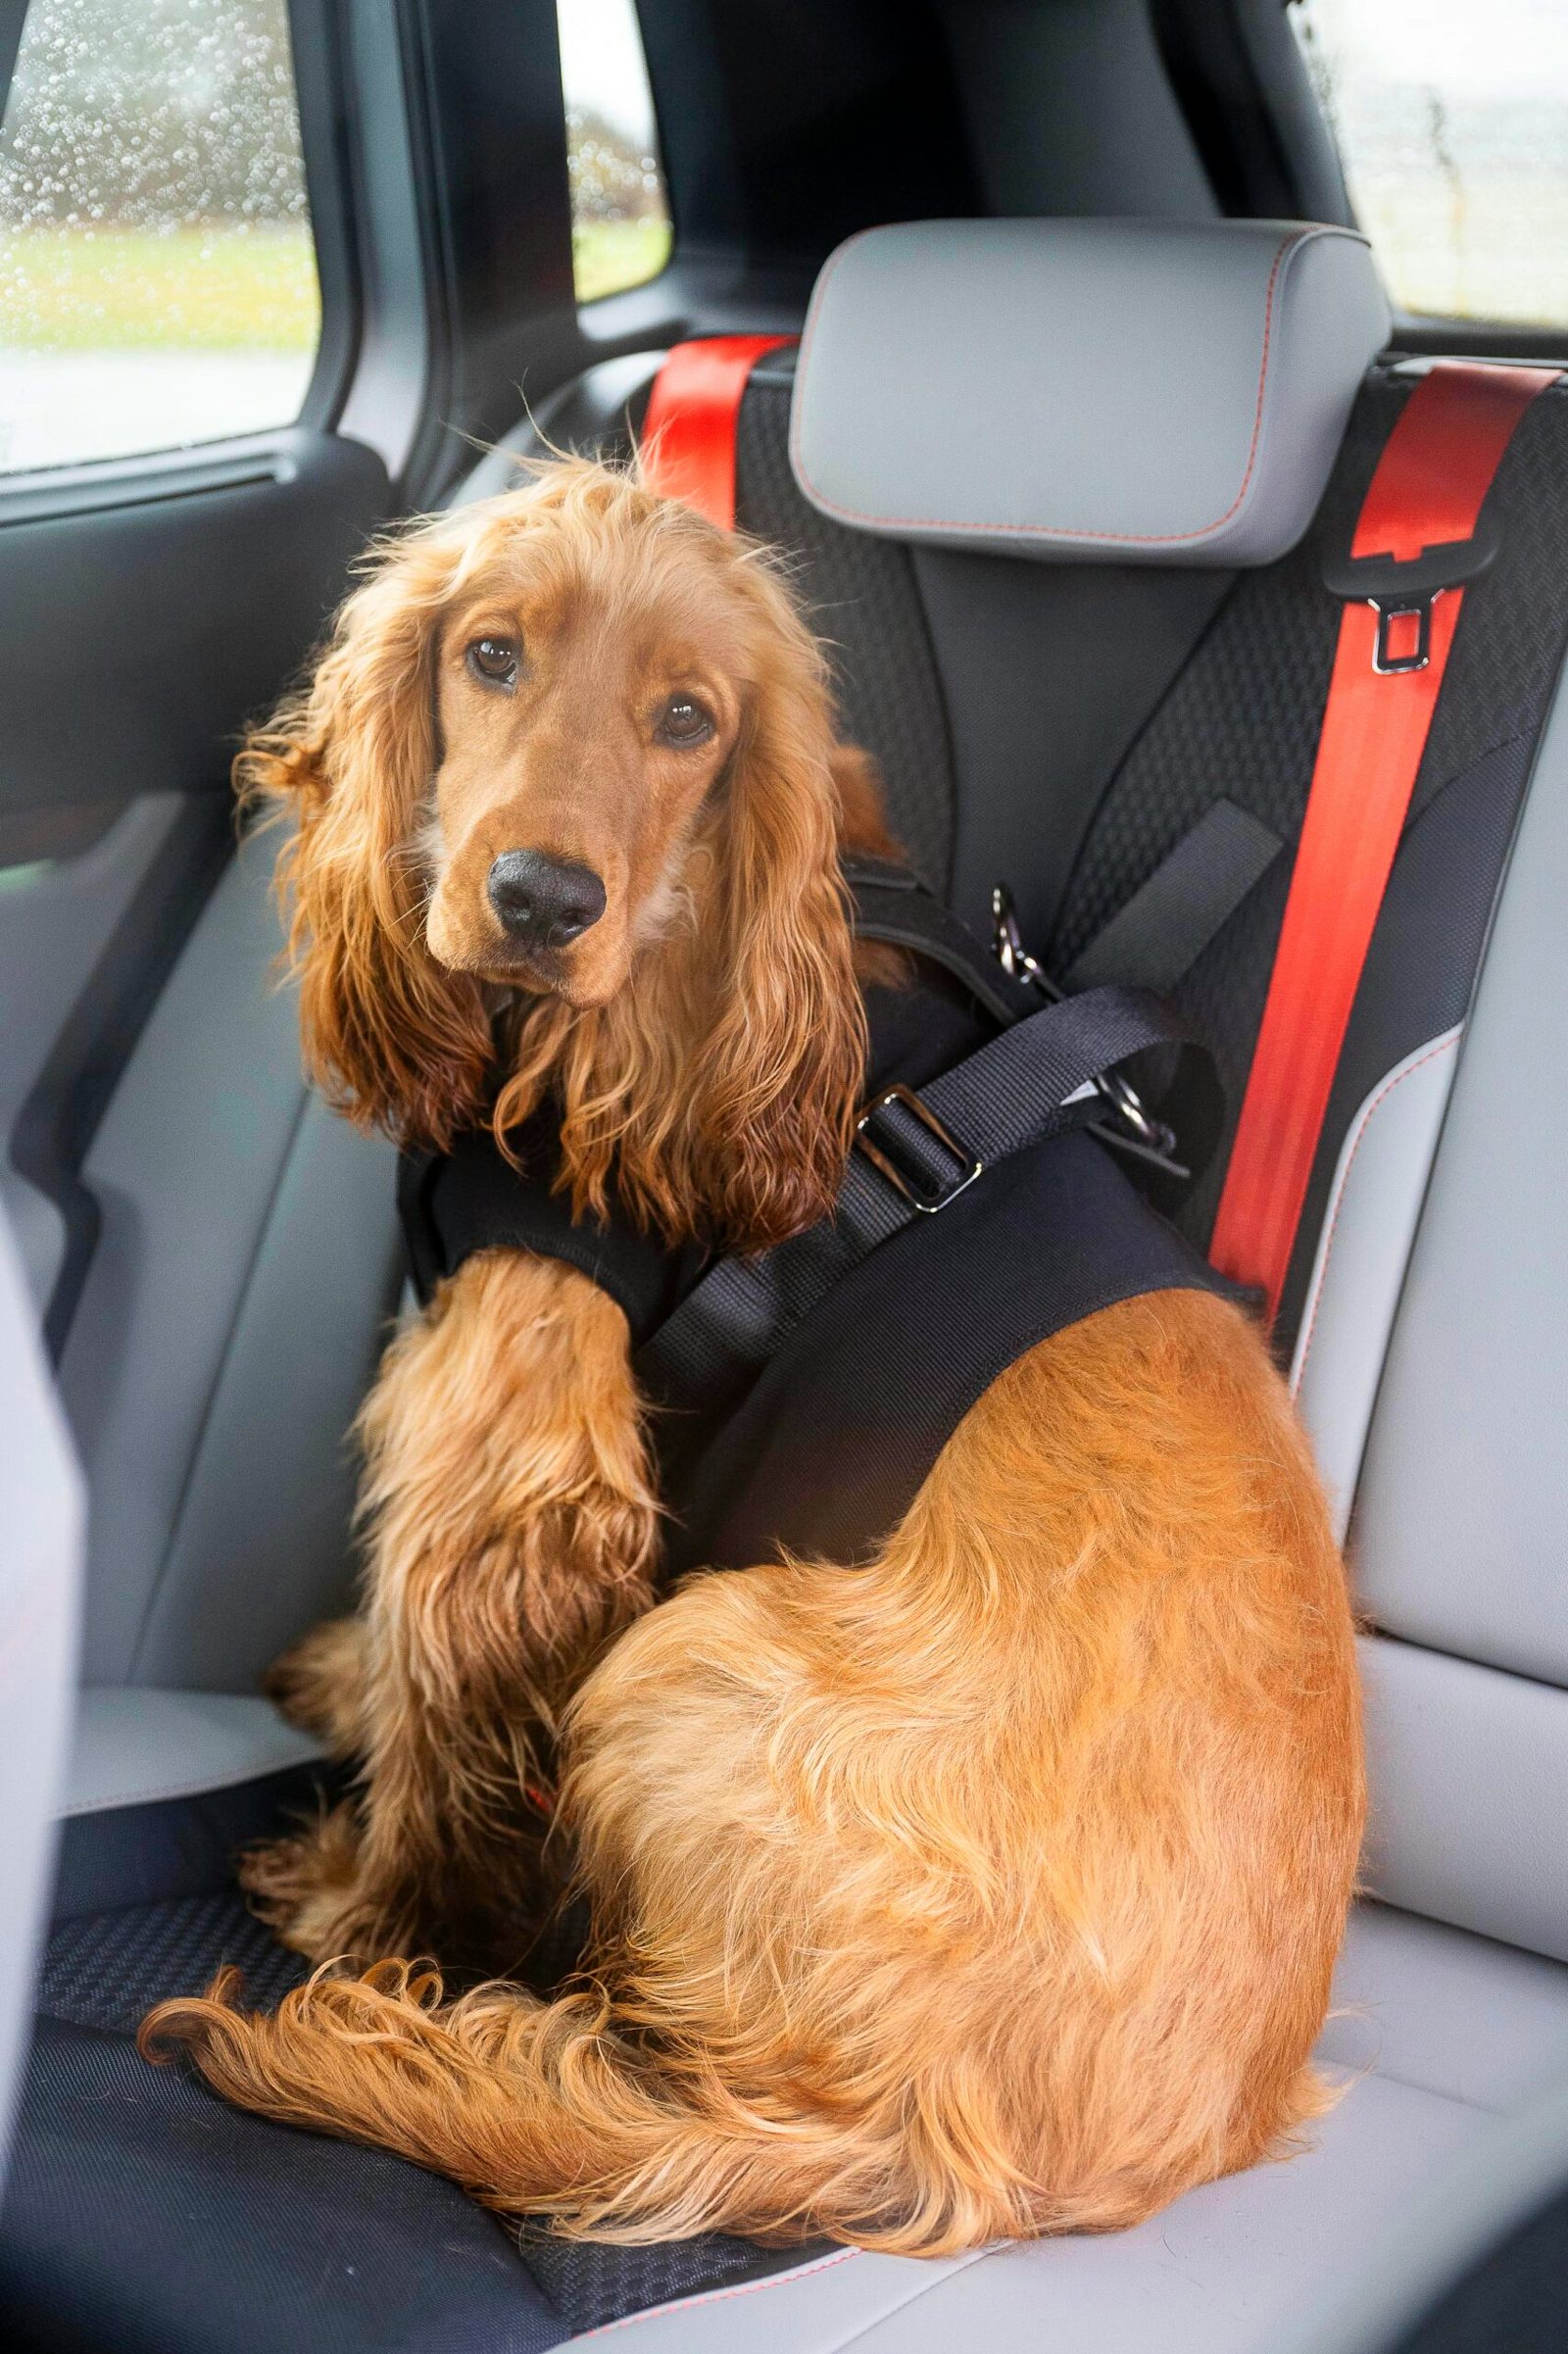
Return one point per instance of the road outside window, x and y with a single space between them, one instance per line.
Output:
620 227
157 275
1451 118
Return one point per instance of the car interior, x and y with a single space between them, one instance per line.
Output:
1083 347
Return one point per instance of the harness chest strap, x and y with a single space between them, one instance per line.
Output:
1416 543
809 1389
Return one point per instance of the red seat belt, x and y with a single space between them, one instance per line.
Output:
1415 543
688 438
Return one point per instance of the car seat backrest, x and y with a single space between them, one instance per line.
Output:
231 1317
1069 393
1118 761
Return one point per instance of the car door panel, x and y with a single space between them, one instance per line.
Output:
143 618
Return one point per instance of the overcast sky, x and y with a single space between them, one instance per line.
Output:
602 64
1462 48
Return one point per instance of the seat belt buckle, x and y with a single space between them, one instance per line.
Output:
926 1188
1404 589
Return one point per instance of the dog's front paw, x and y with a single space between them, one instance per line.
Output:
318 1683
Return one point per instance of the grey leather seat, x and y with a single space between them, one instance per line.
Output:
1431 1371
230 1321
42 1510
1431 1368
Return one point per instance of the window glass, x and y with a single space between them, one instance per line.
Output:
1451 118
620 231
157 275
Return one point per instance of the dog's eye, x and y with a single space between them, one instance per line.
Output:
494 661
683 722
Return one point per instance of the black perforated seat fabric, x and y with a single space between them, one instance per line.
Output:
144 2216
1242 722
864 602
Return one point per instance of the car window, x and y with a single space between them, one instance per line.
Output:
157 272
621 226
1451 118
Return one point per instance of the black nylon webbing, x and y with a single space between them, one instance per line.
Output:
1154 940
891 904
1032 1082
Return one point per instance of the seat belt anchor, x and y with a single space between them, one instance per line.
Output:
1406 588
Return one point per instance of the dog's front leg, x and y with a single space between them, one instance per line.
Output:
511 1533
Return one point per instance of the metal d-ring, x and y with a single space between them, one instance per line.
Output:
1151 1135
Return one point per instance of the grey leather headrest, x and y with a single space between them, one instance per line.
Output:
1128 391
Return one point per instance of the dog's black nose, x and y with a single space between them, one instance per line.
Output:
544 902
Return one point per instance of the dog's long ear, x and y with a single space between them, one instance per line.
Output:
391 1038
863 830
776 1081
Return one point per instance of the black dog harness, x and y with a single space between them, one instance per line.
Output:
808 1389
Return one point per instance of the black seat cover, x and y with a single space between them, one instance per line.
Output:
143 2215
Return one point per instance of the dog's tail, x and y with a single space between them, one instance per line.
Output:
549 2109
556 2109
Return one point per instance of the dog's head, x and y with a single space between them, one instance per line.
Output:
568 806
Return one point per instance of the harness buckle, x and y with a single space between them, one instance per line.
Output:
910 1182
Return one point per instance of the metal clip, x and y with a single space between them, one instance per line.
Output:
1418 609
1007 942
1141 1133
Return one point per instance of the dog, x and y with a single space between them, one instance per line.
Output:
989 1888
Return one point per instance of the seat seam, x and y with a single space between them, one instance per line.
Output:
1292 244
196 1787
1413 2084
740 2288
862 2330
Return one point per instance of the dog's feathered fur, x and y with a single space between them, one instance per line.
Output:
991 1890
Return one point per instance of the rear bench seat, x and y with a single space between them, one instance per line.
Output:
1065 725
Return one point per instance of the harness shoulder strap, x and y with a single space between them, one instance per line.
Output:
1418 542
915 1153
688 437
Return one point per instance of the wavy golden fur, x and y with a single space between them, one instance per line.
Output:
720 1081
991 1890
